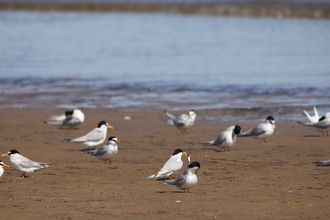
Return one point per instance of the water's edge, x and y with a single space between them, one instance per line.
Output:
317 10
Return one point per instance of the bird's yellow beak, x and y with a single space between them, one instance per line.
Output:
109 126
4 155
185 153
117 141
5 165
274 125
196 171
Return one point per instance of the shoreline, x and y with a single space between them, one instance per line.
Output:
277 180
245 9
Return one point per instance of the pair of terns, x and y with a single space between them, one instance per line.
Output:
228 137
186 180
97 136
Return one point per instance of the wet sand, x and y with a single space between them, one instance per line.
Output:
277 180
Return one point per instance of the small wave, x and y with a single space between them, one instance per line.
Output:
29 92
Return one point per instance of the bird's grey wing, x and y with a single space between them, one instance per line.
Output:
27 163
180 180
101 151
170 166
259 130
177 182
178 123
71 121
219 141
94 135
181 120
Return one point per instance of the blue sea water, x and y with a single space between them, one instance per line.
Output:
156 60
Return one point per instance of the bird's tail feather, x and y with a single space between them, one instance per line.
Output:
305 124
170 182
244 134
169 115
210 143
152 176
56 123
57 117
44 165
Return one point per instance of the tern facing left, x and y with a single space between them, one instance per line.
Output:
226 138
188 179
262 130
107 151
69 118
21 163
184 121
94 137
173 164
323 124
2 164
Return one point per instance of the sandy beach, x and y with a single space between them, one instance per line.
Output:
277 180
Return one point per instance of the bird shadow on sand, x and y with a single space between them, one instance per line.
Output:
312 135
171 192
161 179
218 150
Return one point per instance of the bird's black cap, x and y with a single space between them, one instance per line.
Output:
194 164
111 138
13 152
69 113
177 151
102 123
237 129
270 118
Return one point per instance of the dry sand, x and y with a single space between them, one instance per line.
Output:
277 180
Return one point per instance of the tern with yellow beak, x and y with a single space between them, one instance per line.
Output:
172 165
21 163
107 151
182 122
188 179
95 137
261 131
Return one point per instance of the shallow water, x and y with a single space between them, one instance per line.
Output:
154 60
